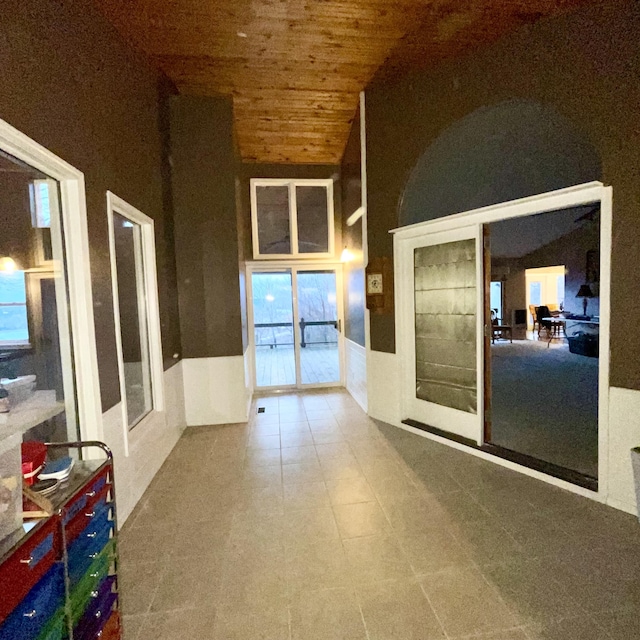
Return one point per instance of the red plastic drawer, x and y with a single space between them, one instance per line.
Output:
87 495
112 630
82 519
24 568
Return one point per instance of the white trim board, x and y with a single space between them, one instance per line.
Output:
561 199
150 443
215 390
356 372
147 278
363 176
76 243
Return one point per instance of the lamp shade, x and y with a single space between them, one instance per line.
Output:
584 292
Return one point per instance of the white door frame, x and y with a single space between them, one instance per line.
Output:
461 423
73 213
294 266
587 193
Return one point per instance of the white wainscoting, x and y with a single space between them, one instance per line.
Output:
356 372
248 378
624 434
215 390
383 386
149 443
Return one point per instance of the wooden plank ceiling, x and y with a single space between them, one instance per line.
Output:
295 67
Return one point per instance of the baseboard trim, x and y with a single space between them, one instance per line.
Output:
548 468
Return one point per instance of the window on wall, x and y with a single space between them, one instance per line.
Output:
36 355
292 218
136 310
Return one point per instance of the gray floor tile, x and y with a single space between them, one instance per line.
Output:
138 583
321 565
583 628
433 550
309 525
531 592
620 625
398 610
331 614
177 625
360 519
131 626
299 454
308 495
465 604
319 517
349 490
376 558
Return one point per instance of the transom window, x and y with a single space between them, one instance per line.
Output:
292 218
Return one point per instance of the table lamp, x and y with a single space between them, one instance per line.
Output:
585 293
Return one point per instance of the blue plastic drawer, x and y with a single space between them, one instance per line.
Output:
86 548
30 617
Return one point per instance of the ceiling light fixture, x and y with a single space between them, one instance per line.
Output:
346 255
8 265
241 34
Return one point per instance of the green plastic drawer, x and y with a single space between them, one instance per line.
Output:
83 592
56 628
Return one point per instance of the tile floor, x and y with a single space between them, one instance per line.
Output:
315 522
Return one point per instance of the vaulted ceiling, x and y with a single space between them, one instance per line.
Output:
295 67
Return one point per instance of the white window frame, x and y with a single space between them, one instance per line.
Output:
293 219
73 216
147 275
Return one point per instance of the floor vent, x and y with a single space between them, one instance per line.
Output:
261 410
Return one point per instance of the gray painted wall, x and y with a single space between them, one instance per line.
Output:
206 234
71 83
502 152
583 65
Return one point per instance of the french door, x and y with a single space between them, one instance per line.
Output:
441 275
296 326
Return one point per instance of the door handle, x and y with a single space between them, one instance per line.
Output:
339 325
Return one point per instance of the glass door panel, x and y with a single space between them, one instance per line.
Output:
318 325
272 300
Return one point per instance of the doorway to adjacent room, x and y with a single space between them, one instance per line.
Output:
471 372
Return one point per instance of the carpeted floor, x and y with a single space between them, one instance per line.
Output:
545 403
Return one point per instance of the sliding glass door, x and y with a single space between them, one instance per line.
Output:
296 327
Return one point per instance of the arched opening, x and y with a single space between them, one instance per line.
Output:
495 154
